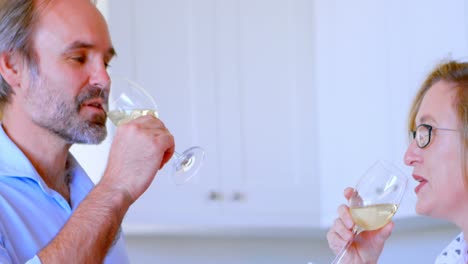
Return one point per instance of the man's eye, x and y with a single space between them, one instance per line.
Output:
80 59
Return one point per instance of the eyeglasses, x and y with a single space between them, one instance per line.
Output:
423 134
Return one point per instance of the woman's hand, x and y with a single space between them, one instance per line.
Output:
367 246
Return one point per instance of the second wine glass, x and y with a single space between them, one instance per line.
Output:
375 199
127 101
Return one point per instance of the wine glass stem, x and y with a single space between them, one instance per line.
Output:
342 252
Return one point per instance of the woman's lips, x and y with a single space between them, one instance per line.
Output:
421 184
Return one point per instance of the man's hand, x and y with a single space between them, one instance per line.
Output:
139 149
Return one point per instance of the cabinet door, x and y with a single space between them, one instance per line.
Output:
155 47
236 78
264 59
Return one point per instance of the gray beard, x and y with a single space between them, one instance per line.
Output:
62 119
68 127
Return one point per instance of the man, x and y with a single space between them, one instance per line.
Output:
53 91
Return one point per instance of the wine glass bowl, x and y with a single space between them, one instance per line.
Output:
127 101
377 195
375 199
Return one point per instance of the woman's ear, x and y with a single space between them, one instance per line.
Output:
10 64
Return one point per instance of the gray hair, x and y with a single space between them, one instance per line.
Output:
18 19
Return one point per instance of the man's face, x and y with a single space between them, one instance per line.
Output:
69 94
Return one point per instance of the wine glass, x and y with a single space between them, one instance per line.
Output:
375 199
127 101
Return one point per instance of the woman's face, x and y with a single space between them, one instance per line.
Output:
438 166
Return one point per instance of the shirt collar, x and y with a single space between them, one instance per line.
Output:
13 163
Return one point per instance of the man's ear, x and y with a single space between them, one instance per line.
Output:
10 64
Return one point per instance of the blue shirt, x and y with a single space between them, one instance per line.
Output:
31 214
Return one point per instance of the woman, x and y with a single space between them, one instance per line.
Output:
438 124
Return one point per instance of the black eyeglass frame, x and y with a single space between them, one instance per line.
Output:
429 129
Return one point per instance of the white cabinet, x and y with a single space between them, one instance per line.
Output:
292 100
235 77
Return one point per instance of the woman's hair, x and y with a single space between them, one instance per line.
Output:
456 73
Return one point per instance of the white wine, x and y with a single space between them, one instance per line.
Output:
119 117
373 217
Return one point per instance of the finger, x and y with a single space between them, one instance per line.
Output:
169 152
342 230
348 193
345 216
335 242
386 231
338 236
149 125
147 121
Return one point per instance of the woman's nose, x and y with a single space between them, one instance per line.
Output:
412 154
